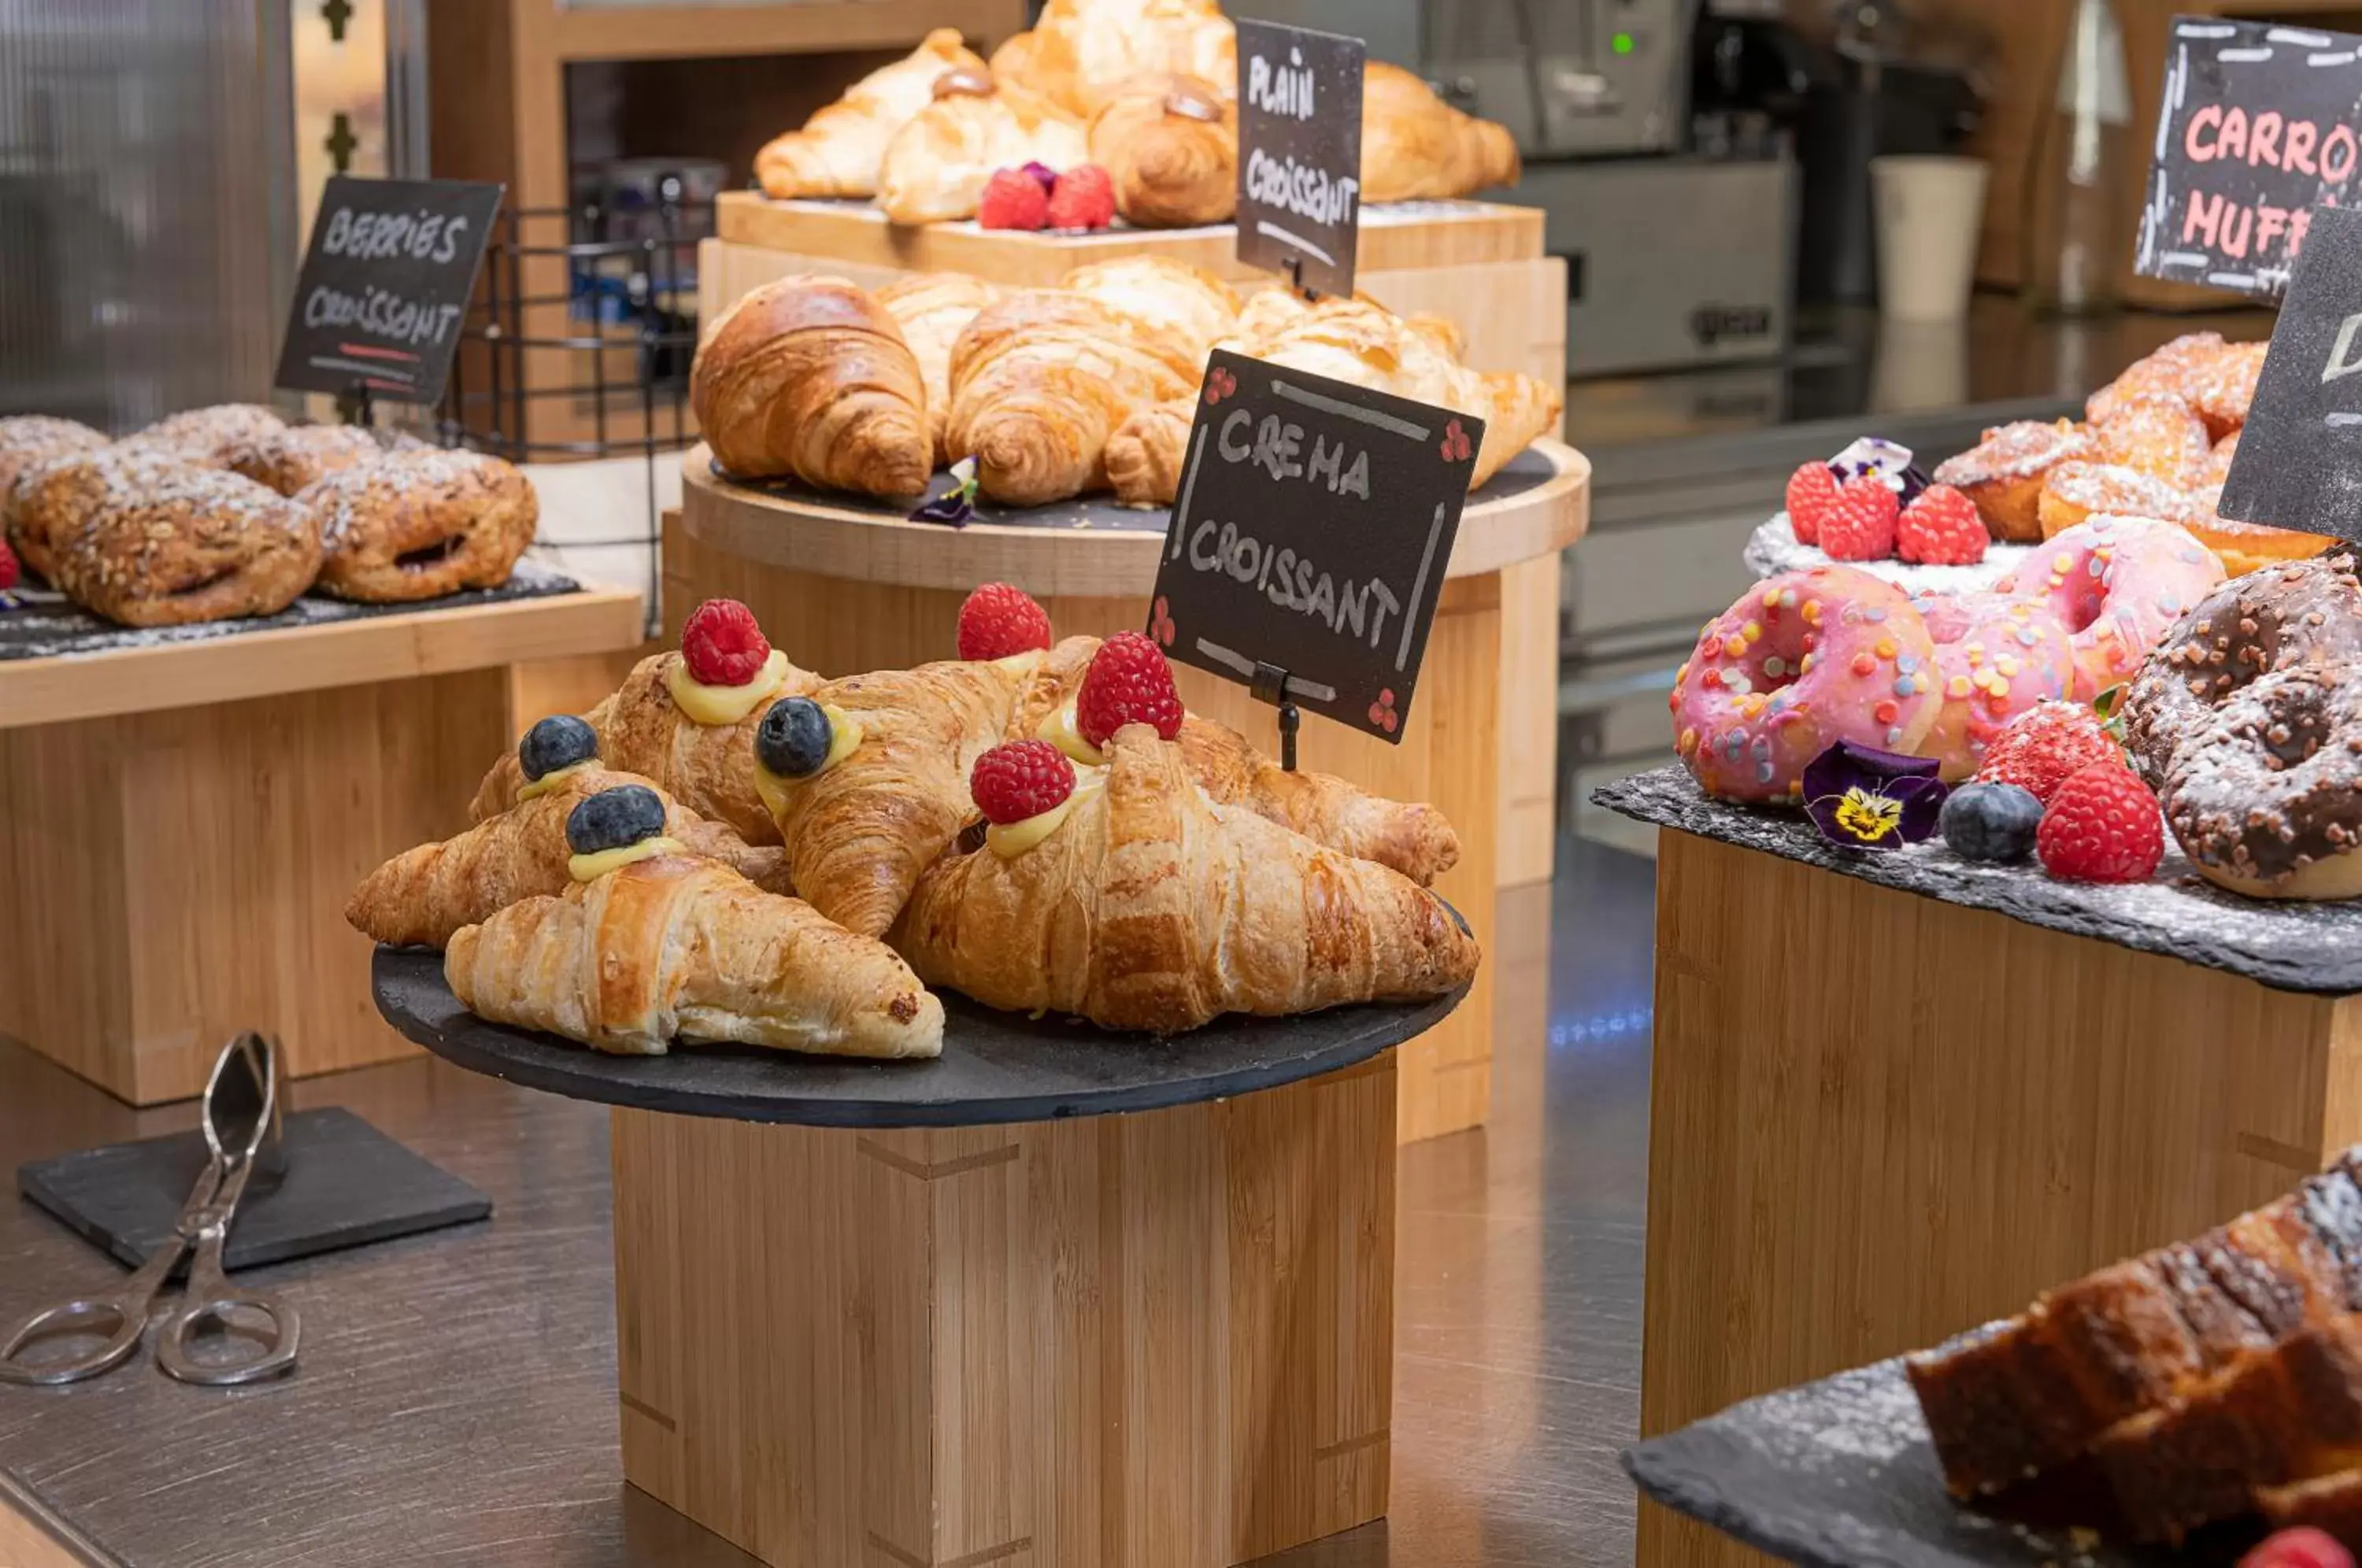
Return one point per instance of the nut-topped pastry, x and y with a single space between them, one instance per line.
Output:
288 459
192 545
55 497
421 524
29 438
205 435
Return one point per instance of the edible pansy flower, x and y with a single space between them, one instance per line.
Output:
1862 798
1888 460
955 505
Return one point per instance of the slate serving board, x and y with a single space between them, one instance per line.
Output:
1839 1474
995 1066
346 1184
2290 946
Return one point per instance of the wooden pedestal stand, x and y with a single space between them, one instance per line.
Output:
1478 263
186 821
846 588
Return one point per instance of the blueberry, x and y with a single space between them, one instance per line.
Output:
559 741
614 818
1991 821
794 738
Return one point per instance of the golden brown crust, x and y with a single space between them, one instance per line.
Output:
27 439
837 151
2003 474
195 545
679 947
1170 144
2073 492
1416 147
2158 436
1081 52
55 497
289 458
2171 371
935 168
808 378
205 435
419 524
933 309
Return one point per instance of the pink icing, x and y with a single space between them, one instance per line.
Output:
2119 584
1995 657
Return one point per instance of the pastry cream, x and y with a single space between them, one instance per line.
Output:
1058 728
716 705
589 868
533 788
844 734
1009 840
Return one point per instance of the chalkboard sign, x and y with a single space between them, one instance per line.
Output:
1300 154
2299 463
1310 537
385 285
2256 128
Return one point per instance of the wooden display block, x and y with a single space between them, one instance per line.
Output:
1880 1119
1162 1340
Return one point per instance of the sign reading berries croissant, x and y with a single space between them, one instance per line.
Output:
384 287
2299 463
1310 536
2257 127
1300 154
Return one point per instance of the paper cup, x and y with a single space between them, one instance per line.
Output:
1928 211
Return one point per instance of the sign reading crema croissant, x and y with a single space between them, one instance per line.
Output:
1300 154
1310 537
384 287
2298 464
2256 128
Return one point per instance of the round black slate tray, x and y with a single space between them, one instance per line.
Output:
995 1066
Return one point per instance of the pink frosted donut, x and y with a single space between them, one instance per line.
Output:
1801 661
2119 583
1995 657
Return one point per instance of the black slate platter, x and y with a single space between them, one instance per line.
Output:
2290 946
995 1066
1099 513
1839 1474
43 624
346 1184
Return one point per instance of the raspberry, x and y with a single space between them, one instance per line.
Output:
999 620
2042 745
1017 780
1012 199
721 644
1859 525
9 572
2301 1547
1812 491
1940 529
2102 825
1127 683
1084 198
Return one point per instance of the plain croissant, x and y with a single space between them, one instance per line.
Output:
838 151
676 946
422 895
934 309
1416 147
808 378
1170 144
1080 53
1152 907
936 166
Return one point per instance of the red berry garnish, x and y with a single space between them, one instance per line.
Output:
1018 779
1127 683
1012 199
2301 1546
999 620
1940 529
1859 524
1812 493
721 644
8 571
2102 825
1084 198
2041 746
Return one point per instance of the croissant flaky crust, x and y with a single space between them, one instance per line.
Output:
1153 908
838 151
421 897
808 378
936 166
1416 147
678 947
1170 144
933 309
1081 52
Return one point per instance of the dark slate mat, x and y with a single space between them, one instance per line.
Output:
996 1067
1102 513
1839 1474
346 1184
2289 945
44 624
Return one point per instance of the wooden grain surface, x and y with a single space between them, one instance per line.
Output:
1163 1340
1879 1119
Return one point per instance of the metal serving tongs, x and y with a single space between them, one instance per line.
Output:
242 1125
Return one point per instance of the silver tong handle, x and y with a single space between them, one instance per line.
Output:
207 1296
127 1309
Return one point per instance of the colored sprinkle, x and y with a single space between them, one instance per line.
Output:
1885 649
1959 685
1864 664
1752 631
1885 712
1812 611
1735 645
1775 667
1764 772
1895 735
1904 687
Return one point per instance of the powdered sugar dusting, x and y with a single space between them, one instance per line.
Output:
2019 450
1774 548
337 499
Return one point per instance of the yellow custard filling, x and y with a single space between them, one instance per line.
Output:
533 788
844 736
589 868
717 705
1058 729
1009 840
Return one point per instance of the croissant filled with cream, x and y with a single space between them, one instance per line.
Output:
936 166
838 151
1081 52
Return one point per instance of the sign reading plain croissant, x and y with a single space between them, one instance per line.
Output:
1300 154
385 284
2298 464
1310 537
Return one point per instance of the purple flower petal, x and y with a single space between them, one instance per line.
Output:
1862 798
1043 175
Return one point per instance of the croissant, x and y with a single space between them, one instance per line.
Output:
1416 147
936 166
1081 52
1152 907
808 378
1176 304
422 895
678 946
1170 144
837 151
934 309
859 831
710 768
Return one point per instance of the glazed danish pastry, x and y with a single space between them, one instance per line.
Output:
192 545
420 524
